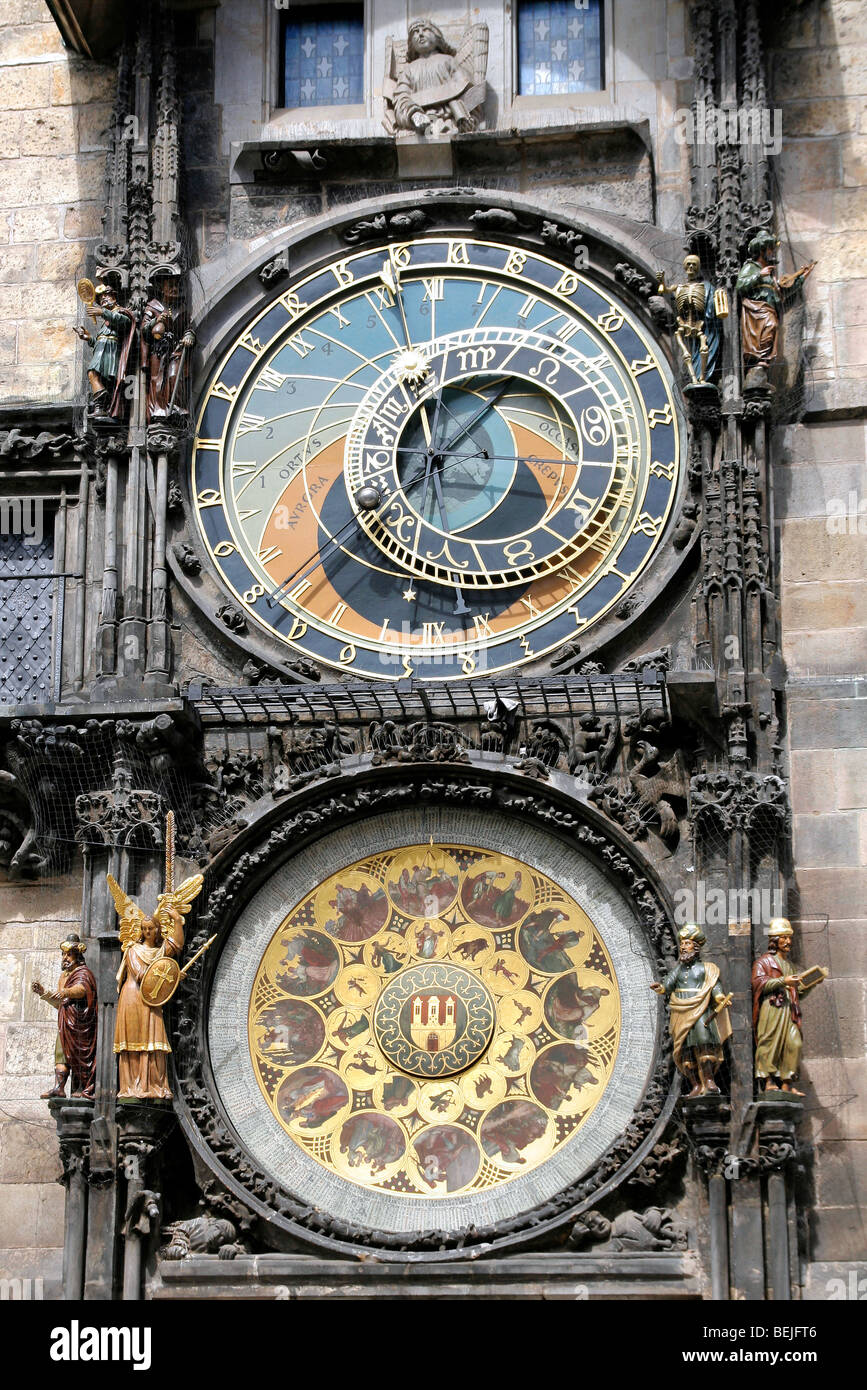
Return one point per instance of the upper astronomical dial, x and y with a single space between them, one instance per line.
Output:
455 458
434 459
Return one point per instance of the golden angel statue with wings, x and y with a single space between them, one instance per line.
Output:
148 977
432 88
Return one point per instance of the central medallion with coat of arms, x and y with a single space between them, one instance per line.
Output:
434 1020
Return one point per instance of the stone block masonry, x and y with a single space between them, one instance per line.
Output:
56 109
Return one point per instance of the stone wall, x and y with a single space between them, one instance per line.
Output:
54 112
818 73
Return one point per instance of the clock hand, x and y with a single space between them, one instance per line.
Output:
452 416
391 279
465 429
460 606
492 458
440 405
434 469
433 464
390 276
313 559
429 458
430 434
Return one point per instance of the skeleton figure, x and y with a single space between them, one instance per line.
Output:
699 309
432 89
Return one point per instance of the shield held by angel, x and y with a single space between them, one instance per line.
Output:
431 88
147 978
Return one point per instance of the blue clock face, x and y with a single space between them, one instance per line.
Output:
437 459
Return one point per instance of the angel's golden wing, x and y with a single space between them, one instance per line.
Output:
129 915
180 898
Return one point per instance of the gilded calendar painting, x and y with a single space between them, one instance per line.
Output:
434 1020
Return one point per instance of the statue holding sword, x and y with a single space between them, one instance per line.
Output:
148 977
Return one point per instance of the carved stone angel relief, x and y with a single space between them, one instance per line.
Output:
432 88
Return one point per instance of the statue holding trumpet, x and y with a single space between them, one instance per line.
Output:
148 976
111 347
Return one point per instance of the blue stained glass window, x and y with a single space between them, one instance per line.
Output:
323 56
559 47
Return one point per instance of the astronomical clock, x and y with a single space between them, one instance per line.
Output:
435 458
424 466
417 553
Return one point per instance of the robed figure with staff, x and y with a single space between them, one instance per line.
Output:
76 1005
164 354
698 1013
